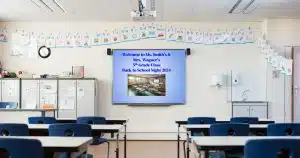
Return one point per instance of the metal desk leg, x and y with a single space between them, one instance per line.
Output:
117 149
43 113
178 142
125 141
188 145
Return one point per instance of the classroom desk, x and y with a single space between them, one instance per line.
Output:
53 145
221 143
254 128
96 131
184 122
119 121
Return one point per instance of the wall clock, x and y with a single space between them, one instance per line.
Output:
44 52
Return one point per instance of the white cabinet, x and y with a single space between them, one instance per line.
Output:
48 92
258 111
67 99
10 90
250 109
30 94
86 98
76 98
241 111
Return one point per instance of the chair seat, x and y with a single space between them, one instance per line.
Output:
98 141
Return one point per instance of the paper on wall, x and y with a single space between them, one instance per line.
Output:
50 41
160 32
106 38
96 39
124 33
69 42
116 36
77 40
289 67
283 65
171 34
41 40
143 31
67 104
85 41
80 93
60 41
4 35
33 48
71 92
180 35
189 36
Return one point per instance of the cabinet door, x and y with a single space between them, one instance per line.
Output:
241 111
30 94
258 111
48 92
67 99
86 98
10 90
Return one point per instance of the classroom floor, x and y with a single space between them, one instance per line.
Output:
138 149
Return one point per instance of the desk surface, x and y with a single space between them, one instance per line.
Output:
261 121
222 141
94 127
58 142
187 127
74 119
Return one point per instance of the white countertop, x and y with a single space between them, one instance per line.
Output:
59 142
94 127
208 126
232 140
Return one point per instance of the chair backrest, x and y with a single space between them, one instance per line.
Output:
10 105
249 120
272 148
229 129
70 130
13 129
91 120
21 148
283 129
201 120
41 120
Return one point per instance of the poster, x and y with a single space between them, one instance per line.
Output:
50 41
60 40
33 47
41 40
151 31
116 36
4 35
189 36
85 41
171 34
134 33
289 67
77 40
180 34
106 38
160 32
124 34
143 31
96 39
69 42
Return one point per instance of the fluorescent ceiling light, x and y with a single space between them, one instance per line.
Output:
59 6
42 1
235 6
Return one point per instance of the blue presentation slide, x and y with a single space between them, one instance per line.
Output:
149 76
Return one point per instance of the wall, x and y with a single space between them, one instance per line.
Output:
202 99
281 33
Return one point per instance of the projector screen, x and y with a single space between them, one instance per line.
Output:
146 77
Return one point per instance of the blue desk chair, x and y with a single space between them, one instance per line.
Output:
70 130
195 121
41 120
283 129
14 129
272 148
21 148
10 105
95 120
228 129
249 120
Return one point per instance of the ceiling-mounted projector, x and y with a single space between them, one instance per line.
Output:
143 13
145 16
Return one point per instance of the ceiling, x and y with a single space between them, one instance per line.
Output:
167 10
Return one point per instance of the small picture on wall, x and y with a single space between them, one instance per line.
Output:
146 85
